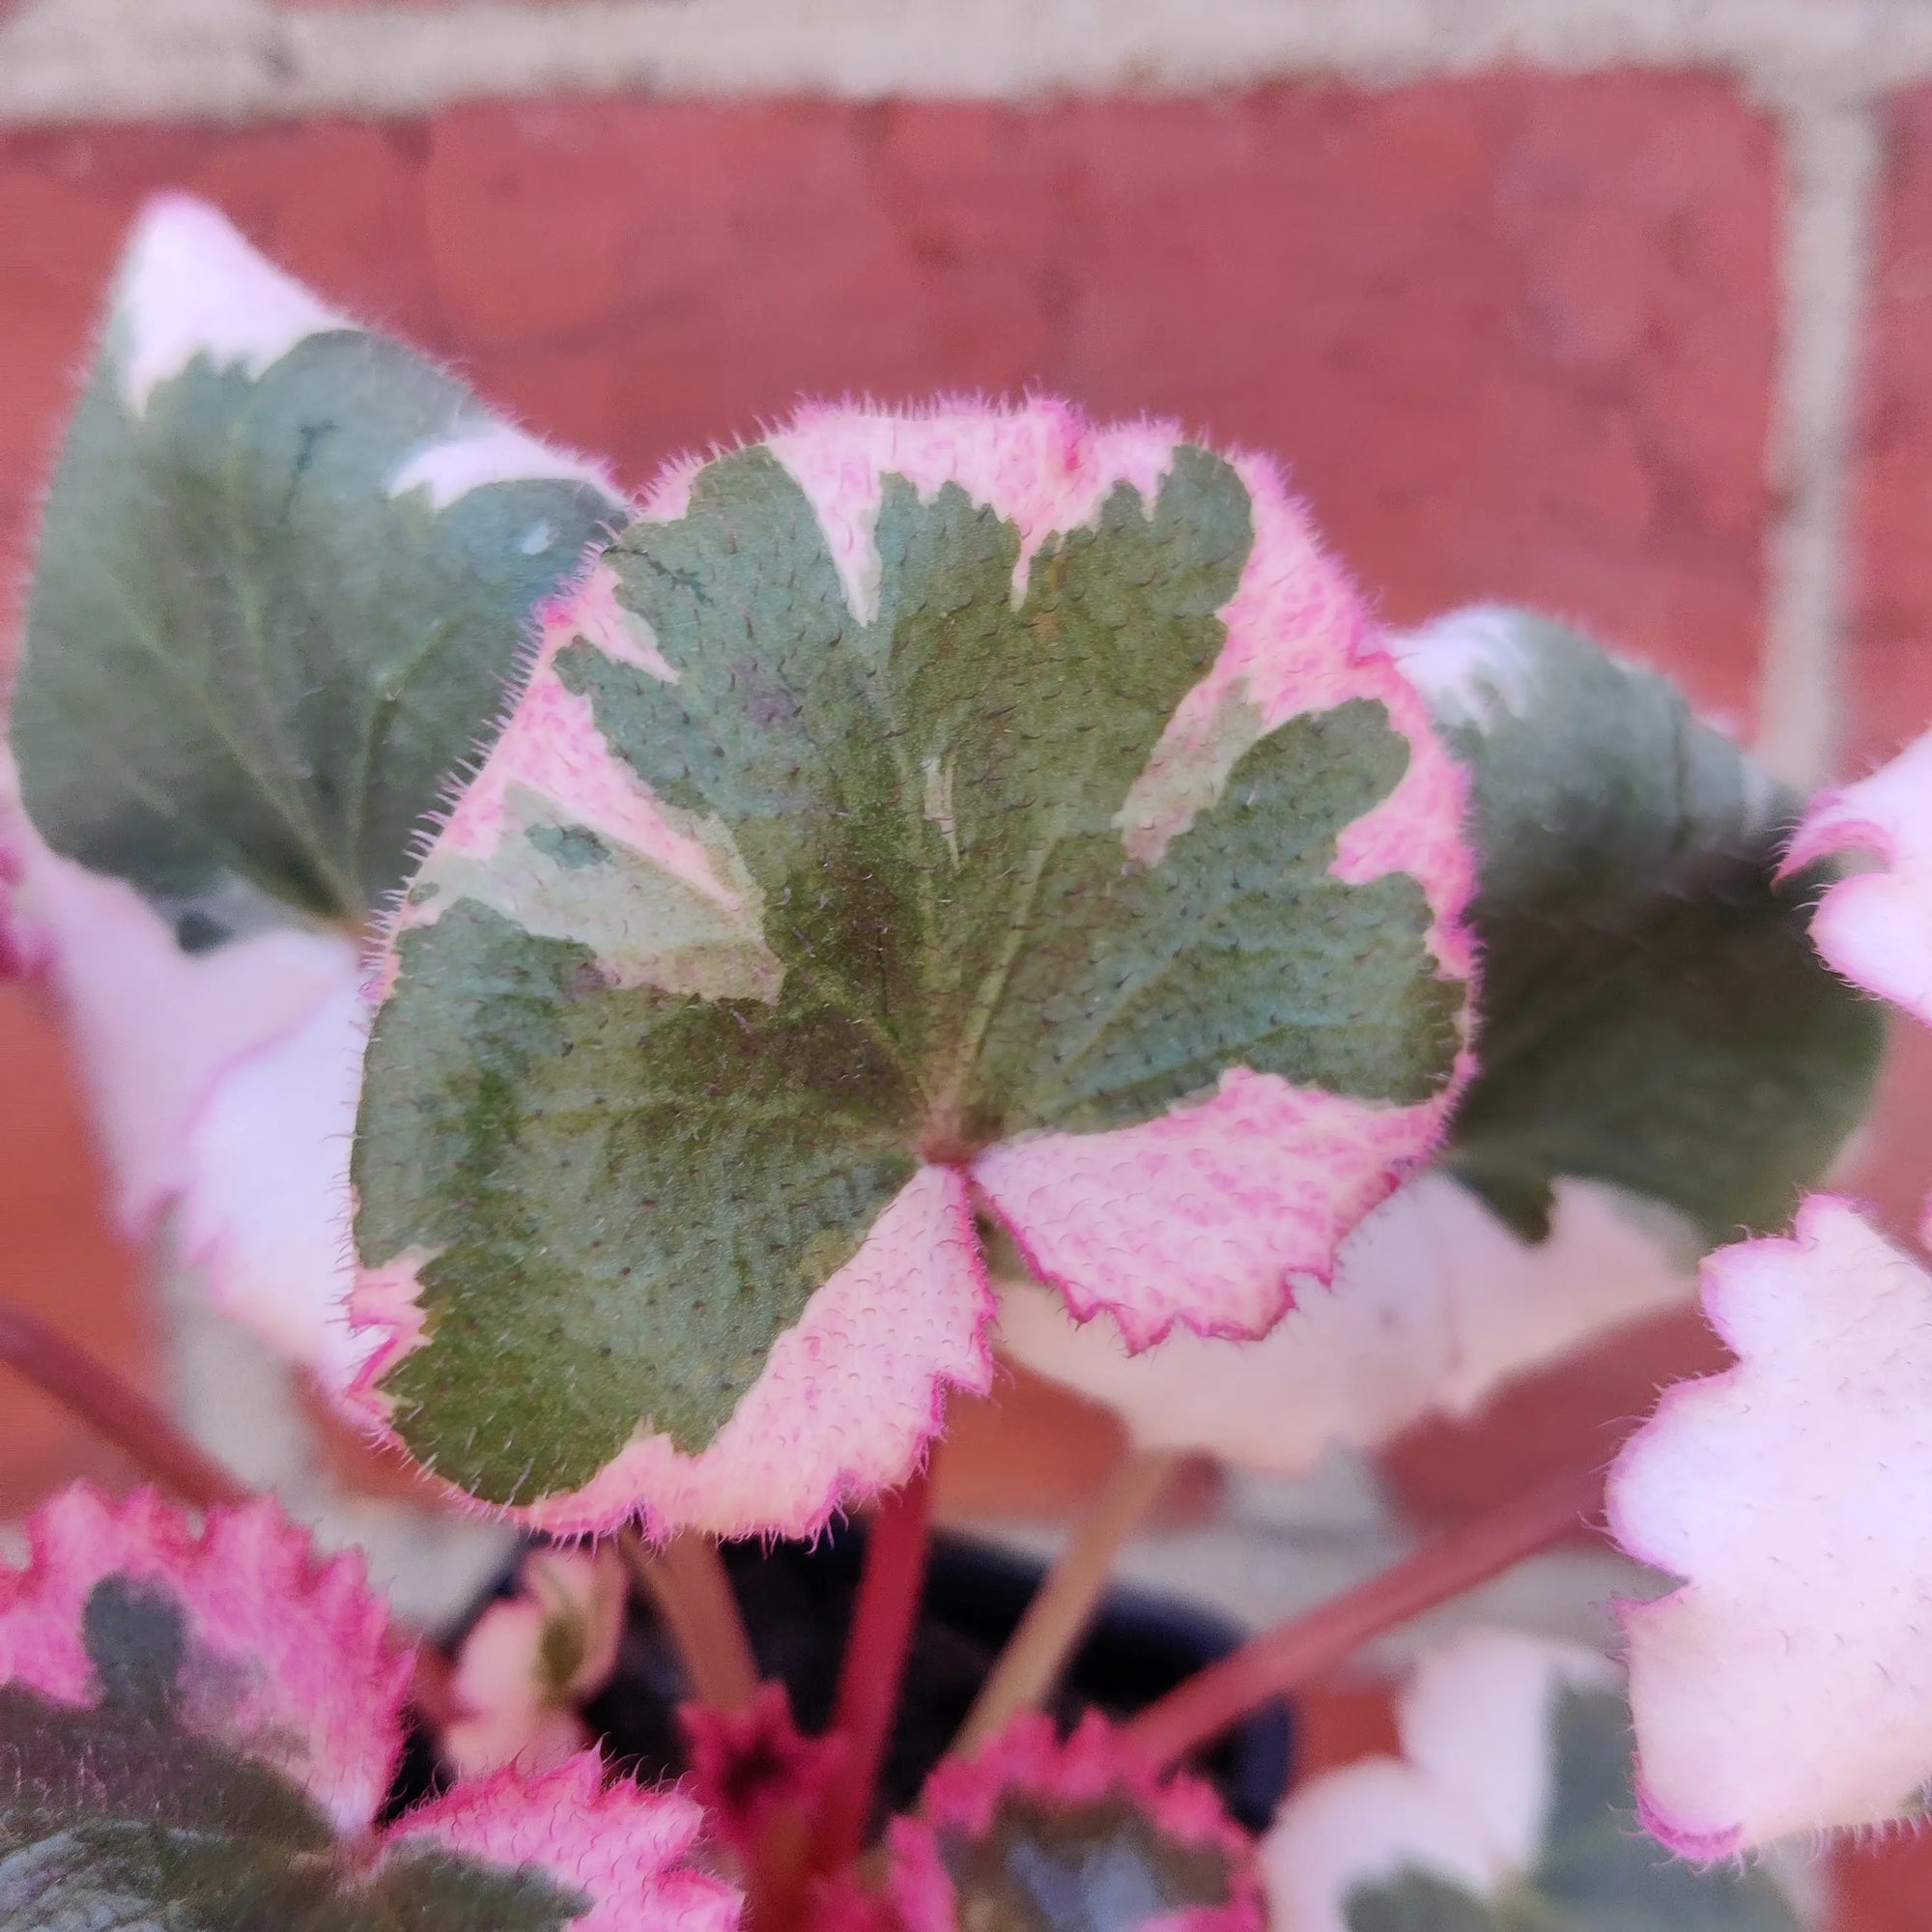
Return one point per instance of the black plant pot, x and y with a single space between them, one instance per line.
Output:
797 1600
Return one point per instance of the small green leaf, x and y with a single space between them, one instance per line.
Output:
255 648
1654 1012
1595 1870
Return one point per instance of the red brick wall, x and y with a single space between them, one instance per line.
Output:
1515 335
1497 365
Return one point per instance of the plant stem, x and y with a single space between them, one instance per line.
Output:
1288 1657
686 1580
1056 1619
875 1653
145 1433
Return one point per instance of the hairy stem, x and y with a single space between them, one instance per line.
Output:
142 1431
686 1580
1036 1654
1290 1655
875 1654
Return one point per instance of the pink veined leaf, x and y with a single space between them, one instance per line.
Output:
1435 1304
258 1693
627 1849
1876 927
1163 1183
533 1659
1785 1686
1036 1830
310 1679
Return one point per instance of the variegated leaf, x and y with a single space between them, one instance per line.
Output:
1787 1686
280 1657
899 803
628 1856
1435 1305
285 568
1036 1834
197 1729
1509 1812
1788 1491
1664 1057
1876 929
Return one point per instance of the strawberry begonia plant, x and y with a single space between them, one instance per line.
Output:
1788 1493
646 999
199 1729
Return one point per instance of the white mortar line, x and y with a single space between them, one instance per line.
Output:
1821 66
1830 162
66 60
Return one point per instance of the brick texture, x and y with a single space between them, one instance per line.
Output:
1890 695
1513 335
56 1256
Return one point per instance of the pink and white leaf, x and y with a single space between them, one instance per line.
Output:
266 991
1785 1687
1031 1820
845 1405
292 1661
1467 1802
1435 1305
1876 927
631 1852
157 1028
589 825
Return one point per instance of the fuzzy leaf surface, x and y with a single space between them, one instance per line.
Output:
1436 1303
1788 1493
1039 1835
197 1728
1653 1013
805 882
286 567
1876 927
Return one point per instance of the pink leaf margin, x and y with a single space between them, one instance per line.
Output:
848 1403
321 1678
624 1848
1116 1220
313 1681
1113 1220
1876 927
1781 1688
1090 1767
